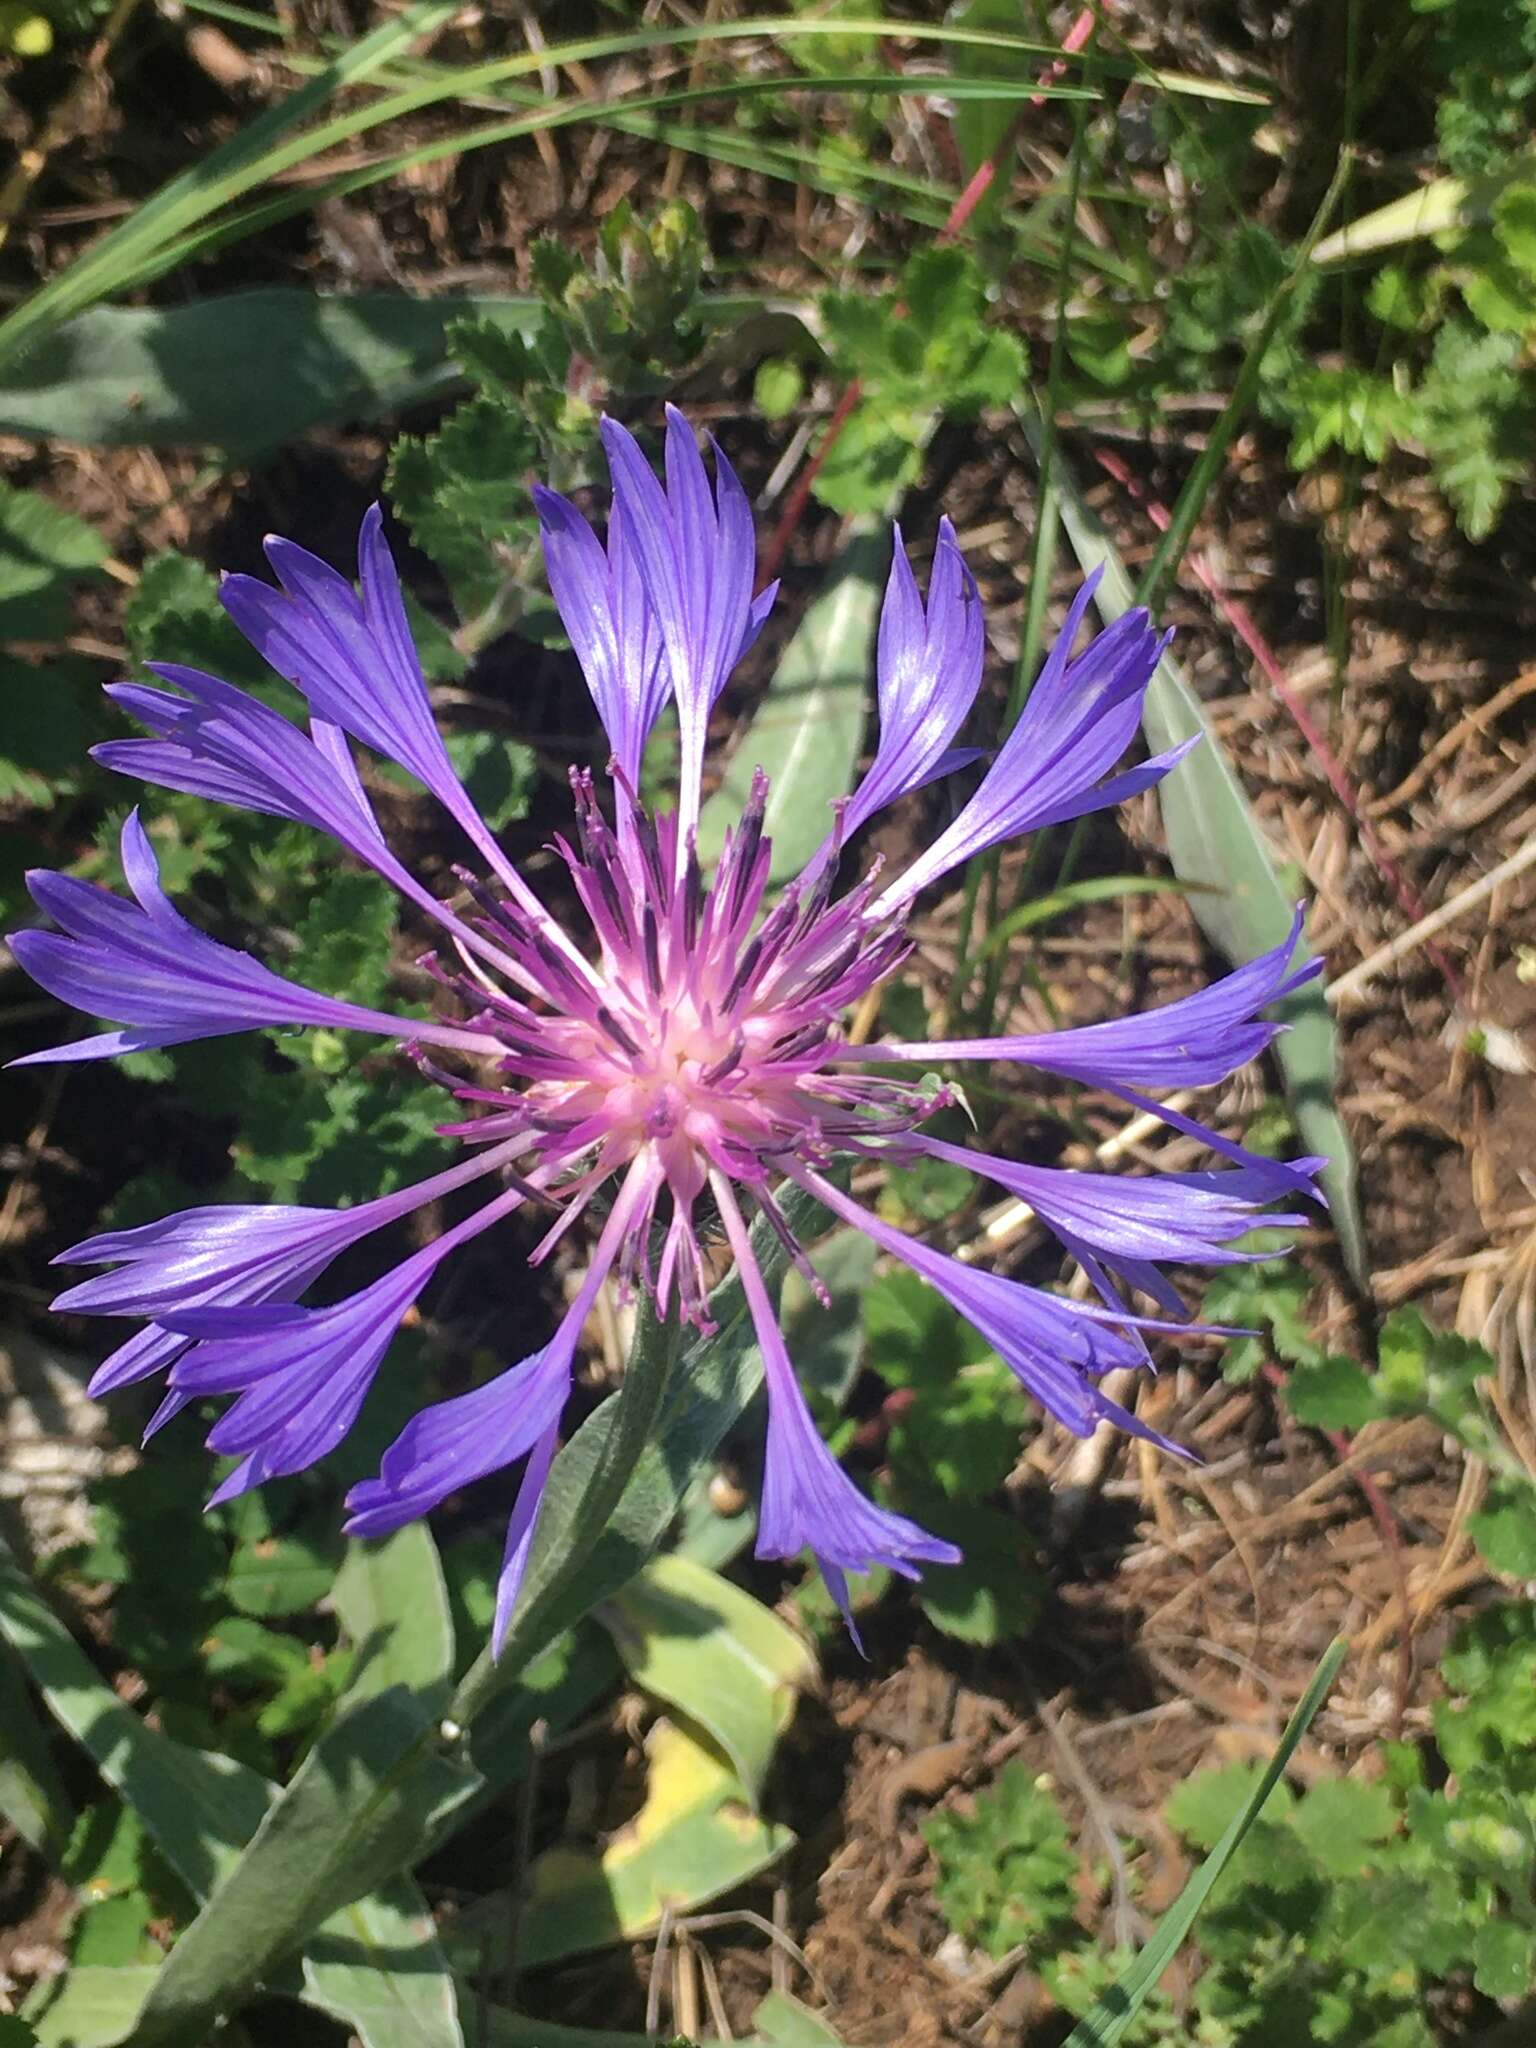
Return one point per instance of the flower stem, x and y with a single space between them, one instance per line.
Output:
619 1432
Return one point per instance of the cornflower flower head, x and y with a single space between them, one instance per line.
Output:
682 1055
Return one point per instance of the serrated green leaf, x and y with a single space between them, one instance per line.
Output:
498 775
1504 1529
1006 1868
1332 1393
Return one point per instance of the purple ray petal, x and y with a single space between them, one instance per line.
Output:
1057 1349
144 965
1191 1218
1081 716
695 554
928 668
301 1375
238 1253
218 742
602 603
522 1527
809 1502
1191 1043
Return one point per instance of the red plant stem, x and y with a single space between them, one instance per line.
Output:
1241 620
1387 1523
979 184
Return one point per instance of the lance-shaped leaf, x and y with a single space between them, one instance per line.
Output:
706 1647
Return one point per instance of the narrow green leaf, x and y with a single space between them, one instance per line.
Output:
787 2023
1092 889
1440 207
379 1968
805 735
199 1806
245 160
706 1647
90 2006
32 1797
393 1604
1107 2022
357 1810
1218 849
243 371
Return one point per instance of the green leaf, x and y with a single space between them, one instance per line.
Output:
32 1797
1215 841
1112 2016
173 614
785 2023
981 124
1504 1530
692 1840
214 179
379 1968
805 734
242 372
48 717
90 2008
827 1341
344 937
1205 1806
278 1575
1005 1869
1332 1393
44 552
498 774
199 1807
701 1644
1344 1822
996 1593
1504 1959
357 1810
393 1603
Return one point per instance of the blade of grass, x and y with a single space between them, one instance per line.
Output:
266 149
545 117
234 167
1094 889
1108 2020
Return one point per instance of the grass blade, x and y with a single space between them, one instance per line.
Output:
1109 2019
233 168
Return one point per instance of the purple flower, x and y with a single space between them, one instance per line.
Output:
683 1044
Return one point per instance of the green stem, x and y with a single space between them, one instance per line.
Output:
635 1410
